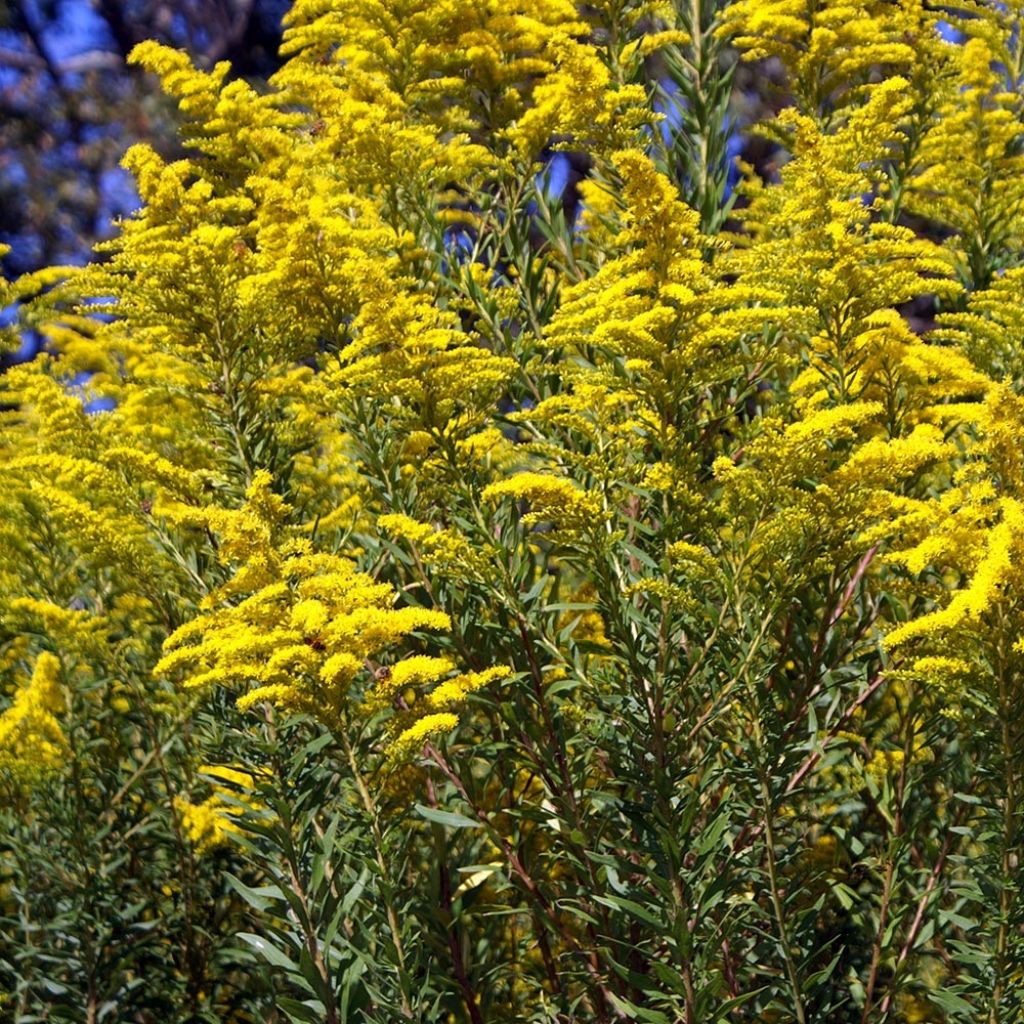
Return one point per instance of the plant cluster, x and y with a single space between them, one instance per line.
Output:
479 607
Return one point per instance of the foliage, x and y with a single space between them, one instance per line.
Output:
474 609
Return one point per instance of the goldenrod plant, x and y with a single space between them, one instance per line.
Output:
476 603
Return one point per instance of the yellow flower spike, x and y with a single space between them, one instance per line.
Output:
575 100
551 498
32 742
452 692
411 741
212 823
419 670
830 50
296 628
970 169
406 528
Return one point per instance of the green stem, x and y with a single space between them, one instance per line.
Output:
378 848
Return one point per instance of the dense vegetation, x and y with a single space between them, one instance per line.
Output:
475 606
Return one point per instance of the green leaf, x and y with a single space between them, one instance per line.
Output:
637 1012
260 898
448 818
725 1010
950 1002
300 1013
632 908
269 952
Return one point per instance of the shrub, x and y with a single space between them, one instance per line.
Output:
473 603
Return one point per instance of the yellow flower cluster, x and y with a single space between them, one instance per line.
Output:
296 628
551 498
989 329
212 823
971 175
32 741
973 535
829 49
505 75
